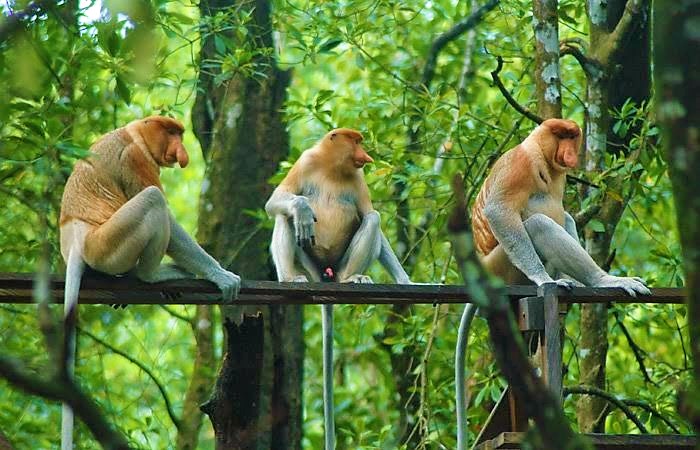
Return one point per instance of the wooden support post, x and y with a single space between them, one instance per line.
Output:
234 405
552 364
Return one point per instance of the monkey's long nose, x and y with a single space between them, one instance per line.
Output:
362 158
182 157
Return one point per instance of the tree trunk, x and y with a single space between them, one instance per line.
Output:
239 124
234 407
618 69
677 76
547 80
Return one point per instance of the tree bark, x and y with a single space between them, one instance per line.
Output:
547 80
677 76
617 69
234 406
239 124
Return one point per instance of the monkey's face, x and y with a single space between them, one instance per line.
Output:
561 142
347 144
164 138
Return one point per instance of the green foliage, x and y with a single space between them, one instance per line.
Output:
73 74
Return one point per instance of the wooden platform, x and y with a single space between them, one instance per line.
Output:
511 441
103 289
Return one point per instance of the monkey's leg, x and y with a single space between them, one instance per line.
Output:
555 245
135 237
285 253
364 248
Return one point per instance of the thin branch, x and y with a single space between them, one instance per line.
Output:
635 349
64 390
585 215
590 390
567 48
187 319
581 181
14 21
453 33
647 407
140 365
514 103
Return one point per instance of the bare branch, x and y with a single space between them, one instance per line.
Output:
647 407
590 390
635 349
142 366
453 33
63 389
633 9
514 103
585 215
567 47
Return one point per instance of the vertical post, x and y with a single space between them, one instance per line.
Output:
328 406
552 339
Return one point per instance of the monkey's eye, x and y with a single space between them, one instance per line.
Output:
358 141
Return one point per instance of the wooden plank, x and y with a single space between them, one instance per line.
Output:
103 289
530 314
552 364
509 440
642 441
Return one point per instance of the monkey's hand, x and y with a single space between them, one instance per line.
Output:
304 218
631 285
228 282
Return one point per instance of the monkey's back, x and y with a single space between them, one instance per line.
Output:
484 238
92 192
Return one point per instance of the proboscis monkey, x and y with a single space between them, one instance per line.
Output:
519 222
115 219
326 228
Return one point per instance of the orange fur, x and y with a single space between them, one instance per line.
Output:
537 166
121 164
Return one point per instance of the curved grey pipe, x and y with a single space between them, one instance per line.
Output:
461 394
328 416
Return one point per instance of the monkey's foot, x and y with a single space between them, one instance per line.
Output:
358 278
566 283
631 285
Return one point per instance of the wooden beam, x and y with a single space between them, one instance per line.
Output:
102 289
552 366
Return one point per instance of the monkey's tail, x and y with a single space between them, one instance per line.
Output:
74 273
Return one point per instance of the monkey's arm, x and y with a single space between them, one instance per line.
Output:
189 255
284 201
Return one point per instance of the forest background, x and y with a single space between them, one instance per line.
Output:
258 82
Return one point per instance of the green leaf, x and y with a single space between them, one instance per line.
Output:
329 45
597 226
123 90
219 44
